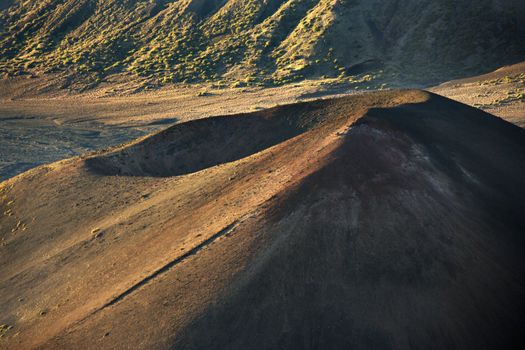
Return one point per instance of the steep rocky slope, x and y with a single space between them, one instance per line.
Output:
386 220
234 42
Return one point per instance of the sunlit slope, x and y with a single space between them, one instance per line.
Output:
233 42
390 219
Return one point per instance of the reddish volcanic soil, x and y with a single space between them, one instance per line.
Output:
385 220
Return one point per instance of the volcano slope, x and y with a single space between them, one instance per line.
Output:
501 92
385 220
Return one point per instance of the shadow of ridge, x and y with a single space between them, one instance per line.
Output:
476 149
320 284
457 134
199 144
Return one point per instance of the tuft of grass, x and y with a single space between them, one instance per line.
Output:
203 92
4 328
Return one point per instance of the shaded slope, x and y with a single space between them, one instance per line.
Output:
258 41
501 92
200 144
125 228
387 220
418 244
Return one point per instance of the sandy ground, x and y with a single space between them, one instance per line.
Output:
48 127
332 224
43 129
501 92
144 108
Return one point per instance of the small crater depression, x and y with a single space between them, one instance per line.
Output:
196 145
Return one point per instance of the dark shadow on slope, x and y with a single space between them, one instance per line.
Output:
364 67
388 245
200 144
269 9
5 4
469 145
72 18
206 8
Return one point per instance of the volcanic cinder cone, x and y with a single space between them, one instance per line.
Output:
386 220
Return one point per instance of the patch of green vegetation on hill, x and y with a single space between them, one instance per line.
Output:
262 42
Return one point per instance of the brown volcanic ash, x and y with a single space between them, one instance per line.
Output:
387 220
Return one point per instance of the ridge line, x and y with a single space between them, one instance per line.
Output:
228 229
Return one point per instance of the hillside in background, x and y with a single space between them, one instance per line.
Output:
257 42
251 199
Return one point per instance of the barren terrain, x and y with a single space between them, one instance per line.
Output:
37 129
384 220
41 128
501 92
262 174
